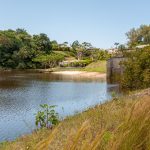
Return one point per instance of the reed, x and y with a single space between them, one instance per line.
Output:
79 134
44 144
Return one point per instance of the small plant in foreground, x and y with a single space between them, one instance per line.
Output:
114 95
47 117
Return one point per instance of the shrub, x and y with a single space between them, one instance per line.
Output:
47 117
137 69
81 63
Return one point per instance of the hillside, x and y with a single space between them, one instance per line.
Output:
98 66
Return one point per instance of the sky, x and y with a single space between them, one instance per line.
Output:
100 22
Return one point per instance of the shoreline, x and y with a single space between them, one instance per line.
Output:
140 98
81 74
87 74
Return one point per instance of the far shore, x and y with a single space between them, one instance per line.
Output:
63 72
81 73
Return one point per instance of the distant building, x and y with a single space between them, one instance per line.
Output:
67 63
112 50
142 46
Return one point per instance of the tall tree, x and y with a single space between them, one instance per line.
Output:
139 36
42 43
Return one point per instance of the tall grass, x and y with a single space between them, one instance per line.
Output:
44 144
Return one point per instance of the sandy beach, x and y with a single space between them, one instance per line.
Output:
82 74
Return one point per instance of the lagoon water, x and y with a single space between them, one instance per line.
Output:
21 94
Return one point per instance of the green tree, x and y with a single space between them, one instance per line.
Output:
8 44
79 49
49 61
139 36
42 43
55 45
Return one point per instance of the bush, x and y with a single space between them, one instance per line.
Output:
47 117
137 69
81 63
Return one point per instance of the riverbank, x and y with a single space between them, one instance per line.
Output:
96 67
63 71
122 123
81 74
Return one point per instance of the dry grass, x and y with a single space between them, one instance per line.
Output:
122 124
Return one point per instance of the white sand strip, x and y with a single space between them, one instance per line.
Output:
81 73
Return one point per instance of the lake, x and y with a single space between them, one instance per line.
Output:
21 93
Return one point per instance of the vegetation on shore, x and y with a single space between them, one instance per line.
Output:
122 123
139 36
136 63
21 50
136 73
97 66
46 117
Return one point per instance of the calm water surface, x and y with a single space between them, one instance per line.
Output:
21 94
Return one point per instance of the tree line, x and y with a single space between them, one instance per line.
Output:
21 50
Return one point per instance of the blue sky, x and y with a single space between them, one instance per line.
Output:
100 22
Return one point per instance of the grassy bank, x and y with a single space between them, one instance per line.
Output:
99 66
120 124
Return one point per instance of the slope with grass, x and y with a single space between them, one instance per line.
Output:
99 66
120 124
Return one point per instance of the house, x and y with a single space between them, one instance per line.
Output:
142 46
112 50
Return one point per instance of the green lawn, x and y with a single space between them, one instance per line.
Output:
99 66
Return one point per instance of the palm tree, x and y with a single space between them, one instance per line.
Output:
116 44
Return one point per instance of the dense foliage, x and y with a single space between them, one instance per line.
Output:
137 69
20 50
136 73
49 61
139 36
